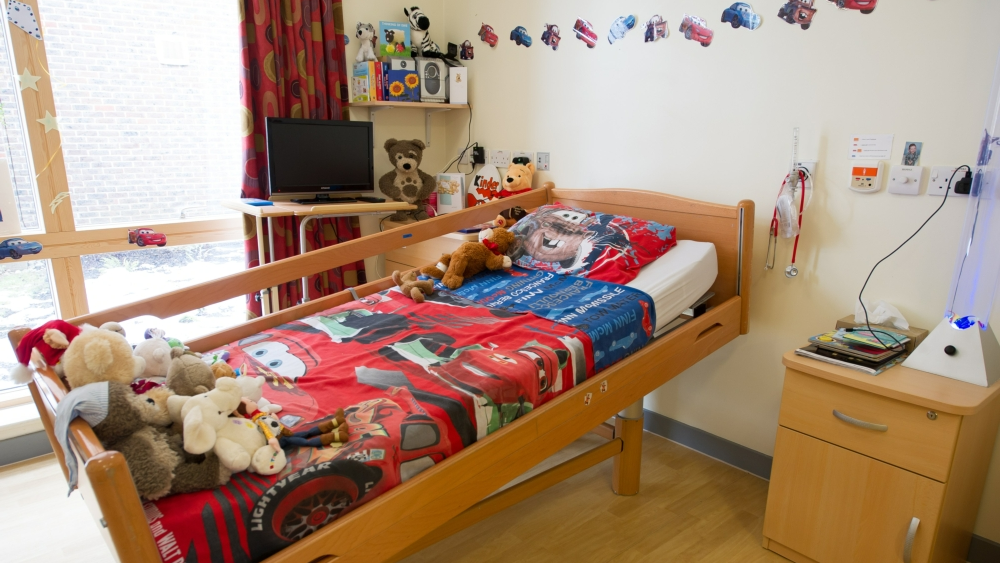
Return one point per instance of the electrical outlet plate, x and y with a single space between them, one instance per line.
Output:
905 180
542 161
940 176
522 154
466 158
500 158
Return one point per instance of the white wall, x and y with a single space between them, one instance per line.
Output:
715 124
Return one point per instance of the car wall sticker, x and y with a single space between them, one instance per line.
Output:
741 14
695 29
15 248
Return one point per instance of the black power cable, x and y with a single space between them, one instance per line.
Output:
898 345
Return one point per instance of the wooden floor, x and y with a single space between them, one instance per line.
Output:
689 508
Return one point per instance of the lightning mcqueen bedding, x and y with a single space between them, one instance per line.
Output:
418 382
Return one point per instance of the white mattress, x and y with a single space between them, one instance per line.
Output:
678 278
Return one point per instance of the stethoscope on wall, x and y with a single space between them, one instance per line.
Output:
785 222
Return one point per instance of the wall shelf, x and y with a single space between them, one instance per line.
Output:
429 109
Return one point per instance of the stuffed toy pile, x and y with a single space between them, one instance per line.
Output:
180 428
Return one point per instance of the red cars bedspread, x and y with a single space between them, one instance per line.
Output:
418 382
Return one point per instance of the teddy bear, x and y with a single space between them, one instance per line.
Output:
156 353
207 427
406 182
508 217
411 286
100 355
188 375
222 369
366 37
518 179
474 257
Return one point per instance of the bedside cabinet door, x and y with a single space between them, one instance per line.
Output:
833 505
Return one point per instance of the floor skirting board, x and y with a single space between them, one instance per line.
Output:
981 550
13 450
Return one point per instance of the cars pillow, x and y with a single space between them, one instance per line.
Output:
587 244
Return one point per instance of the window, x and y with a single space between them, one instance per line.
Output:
122 277
26 299
148 104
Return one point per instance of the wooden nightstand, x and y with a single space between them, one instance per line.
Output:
424 253
866 465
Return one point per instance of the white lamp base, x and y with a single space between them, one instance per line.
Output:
976 357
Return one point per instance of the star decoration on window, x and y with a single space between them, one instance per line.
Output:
29 80
49 121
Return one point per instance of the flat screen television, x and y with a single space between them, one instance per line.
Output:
320 159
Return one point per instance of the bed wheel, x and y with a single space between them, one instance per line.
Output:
628 427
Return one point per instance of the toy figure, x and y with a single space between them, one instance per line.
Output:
411 286
366 35
551 36
423 45
331 432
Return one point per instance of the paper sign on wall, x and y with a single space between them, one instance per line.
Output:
10 224
871 147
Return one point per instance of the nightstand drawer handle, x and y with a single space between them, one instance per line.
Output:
861 423
911 534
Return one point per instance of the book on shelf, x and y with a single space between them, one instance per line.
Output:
833 342
882 339
360 84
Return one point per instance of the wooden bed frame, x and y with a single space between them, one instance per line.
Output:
457 492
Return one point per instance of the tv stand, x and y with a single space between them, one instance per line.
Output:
321 199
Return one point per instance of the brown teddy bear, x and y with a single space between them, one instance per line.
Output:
97 355
406 182
473 257
518 179
411 286
188 374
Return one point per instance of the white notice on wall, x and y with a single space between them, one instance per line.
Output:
871 147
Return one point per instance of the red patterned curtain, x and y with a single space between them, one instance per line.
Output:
293 66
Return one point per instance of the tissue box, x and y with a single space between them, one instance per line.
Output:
916 335
458 85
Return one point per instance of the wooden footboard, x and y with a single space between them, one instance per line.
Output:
450 495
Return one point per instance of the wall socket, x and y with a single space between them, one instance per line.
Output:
940 176
500 158
542 161
522 154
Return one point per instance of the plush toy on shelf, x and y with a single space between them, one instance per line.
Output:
97 355
366 37
406 182
423 45
518 179
411 286
207 427
51 340
490 253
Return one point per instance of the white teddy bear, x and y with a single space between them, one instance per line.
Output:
366 35
253 389
236 441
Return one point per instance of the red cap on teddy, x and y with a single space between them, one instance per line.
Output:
51 340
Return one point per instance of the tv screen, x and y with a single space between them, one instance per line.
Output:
317 156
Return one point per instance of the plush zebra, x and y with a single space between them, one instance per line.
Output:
423 45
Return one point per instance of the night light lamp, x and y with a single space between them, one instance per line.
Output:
963 345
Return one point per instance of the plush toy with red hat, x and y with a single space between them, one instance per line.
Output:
51 340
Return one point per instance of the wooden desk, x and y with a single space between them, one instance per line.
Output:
308 212
877 468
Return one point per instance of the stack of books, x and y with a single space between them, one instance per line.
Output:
858 349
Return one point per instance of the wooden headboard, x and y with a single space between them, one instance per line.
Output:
729 228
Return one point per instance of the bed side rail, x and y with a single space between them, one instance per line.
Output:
277 273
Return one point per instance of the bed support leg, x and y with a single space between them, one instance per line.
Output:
628 427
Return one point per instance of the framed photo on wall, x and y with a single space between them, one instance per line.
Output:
10 223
